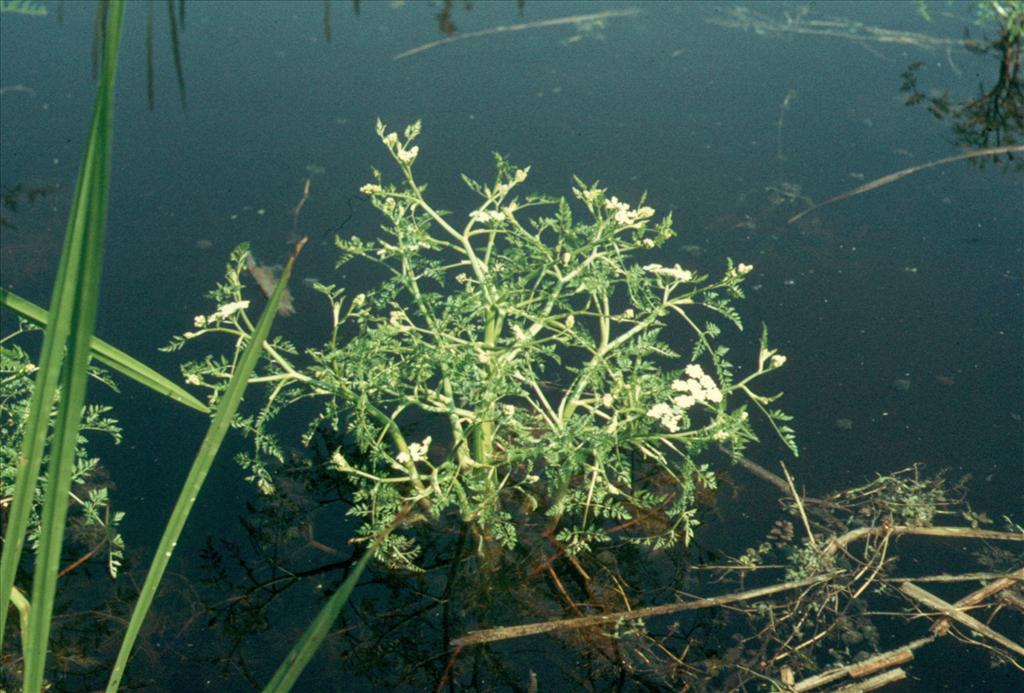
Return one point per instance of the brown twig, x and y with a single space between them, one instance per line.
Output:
883 660
955 613
799 505
941 627
509 632
893 177
947 532
298 209
575 19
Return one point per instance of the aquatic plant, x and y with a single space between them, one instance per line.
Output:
557 372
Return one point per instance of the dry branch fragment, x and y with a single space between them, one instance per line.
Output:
575 19
509 632
947 532
941 627
875 682
879 661
893 177
951 611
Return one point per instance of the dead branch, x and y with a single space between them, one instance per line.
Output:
883 660
575 19
951 611
874 683
941 627
509 632
948 532
963 577
893 177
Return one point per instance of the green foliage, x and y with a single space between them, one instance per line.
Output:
532 343
88 494
25 7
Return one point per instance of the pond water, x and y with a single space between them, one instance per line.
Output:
900 310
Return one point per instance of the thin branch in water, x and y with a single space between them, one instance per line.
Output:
558 21
509 632
799 505
949 610
893 177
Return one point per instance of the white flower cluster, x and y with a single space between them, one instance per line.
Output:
484 216
675 272
417 452
697 388
405 156
623 214
222 313
741 269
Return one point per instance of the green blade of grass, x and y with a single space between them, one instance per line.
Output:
286 675
74 315
303 650
110 355
226 409
90 190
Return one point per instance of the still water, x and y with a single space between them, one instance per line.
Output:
900 310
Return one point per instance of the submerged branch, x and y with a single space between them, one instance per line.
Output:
510 632
575 19
893 177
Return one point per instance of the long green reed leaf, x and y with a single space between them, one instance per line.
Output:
304 649
197 474
110 355
54 343
73 315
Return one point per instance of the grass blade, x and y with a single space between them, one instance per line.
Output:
303 650
110 355
73 317
286 675
226 409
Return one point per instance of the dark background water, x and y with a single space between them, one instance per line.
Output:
919 281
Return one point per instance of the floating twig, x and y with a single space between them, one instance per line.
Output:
892 177
953 612
508 632
558 21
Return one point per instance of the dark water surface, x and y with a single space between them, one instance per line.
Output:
900 310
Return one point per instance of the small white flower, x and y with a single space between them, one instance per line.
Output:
371 189
628 314
607 400
521 174
744 268
407 156
659 410
200 321
358 301
676 272
778 360
647 243
339 463
391 139
417 452
684 401
227 310
461 277
694 370
193 379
